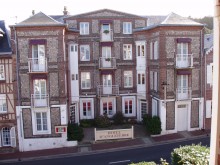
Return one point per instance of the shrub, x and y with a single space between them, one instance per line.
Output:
102 121
144 163
146 118
190 154
87 123
118 118
74 132
153 124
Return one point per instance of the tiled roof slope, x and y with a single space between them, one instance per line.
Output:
5 47
40 19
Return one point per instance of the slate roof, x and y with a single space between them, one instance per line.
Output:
171 20
39 19
208 43
5 46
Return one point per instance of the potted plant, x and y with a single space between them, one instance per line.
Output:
108 59
106 31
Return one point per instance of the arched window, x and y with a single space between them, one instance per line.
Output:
6 138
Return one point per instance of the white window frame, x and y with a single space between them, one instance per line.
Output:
155 108
113 106
208 108
141 52
129 98
34 122
209 73
86 100
155 81
154 50
3 103
140 78
127 28
128 79
2 72
85 79
84 28
84 53
127 52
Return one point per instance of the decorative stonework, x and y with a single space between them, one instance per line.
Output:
34 33
105 14
52 49
117 50
23 47
96 78
25 92
196 47
118 77
55 120
27 123
196 79
182 33
95 50
170 47
72 23
95 26
140 23
195 114
54 87
170 115
170 80
117 27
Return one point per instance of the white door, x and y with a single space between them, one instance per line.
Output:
182 55
182 87
107 84
143 106
40 98
106 57
39 63
182 117
106 33
73 117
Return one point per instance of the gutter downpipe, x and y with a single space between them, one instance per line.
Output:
215 130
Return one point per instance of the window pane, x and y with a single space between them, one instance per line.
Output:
6 140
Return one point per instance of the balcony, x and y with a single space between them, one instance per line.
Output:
183 93
107 90
106 36
184 61
37 65
39 100
107 63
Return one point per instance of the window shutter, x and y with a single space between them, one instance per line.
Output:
151 80
155 81
154 108
0 138
151 50
13 137
209 74
208 109
156 56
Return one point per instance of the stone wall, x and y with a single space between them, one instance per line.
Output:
170 115
195 114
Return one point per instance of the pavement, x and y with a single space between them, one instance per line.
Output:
88 145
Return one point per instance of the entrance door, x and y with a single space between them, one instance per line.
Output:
182 87
73 113
182 117
106 33
39 58
143 105
106 57
107 84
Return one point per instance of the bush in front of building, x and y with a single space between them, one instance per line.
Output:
74 132
153 124
190 154
86 123
162 162
102 121
118 118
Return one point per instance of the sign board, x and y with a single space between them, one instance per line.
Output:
114 134
60 129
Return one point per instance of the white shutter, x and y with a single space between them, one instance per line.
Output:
208 109
209 74
0 138
155 81
13 137
151 50
155 50
154 108
151 80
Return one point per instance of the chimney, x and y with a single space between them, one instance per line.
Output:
33 12
65 12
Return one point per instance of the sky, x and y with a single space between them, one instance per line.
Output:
15 11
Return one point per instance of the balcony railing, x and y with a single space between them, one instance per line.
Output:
184 60
37 65
105 90
107 63
183 93
39 100
106 36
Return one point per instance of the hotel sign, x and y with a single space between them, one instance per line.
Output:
114 134
60 129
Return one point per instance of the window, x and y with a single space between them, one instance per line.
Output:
182 48
127 28
108 106
41 120
209 74
85 80
86 108
141 78
84 53
3 105
128 106
2 72
84 28
154 108
128 81
127 51
7 137
140 50
154 50
153 80
38 62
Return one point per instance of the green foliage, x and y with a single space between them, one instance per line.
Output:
208 21
74 132
153 124
85 123
191 154
102 121
118 118
144 163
